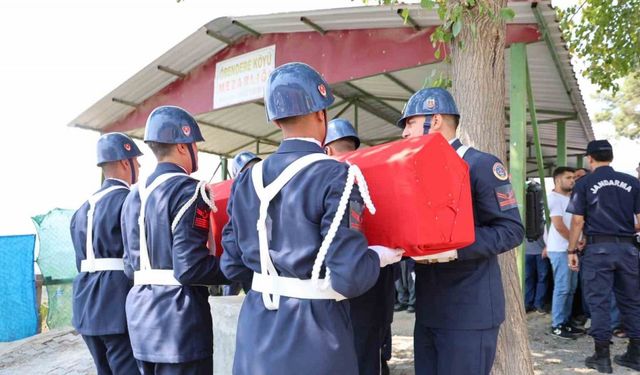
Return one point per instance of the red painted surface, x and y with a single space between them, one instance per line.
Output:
413 213
339 55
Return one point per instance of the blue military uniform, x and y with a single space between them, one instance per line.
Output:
166 255
100 289
609 201
171 324
460 305
99 297
303 336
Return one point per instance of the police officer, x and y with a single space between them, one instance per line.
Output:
165 223
239 164
460 304
372 312
604 204
306 256
100 289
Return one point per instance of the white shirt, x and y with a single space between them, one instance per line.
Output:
312 140
558 207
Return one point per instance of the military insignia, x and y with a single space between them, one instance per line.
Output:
506 197
500 171
201 218
186 130
355 215
127 146
430 103
322 90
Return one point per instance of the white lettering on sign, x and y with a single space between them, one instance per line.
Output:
616 183
242 78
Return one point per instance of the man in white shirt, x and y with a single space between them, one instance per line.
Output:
565 280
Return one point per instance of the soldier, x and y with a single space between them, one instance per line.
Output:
101 287
240 163
605 203
460 304
372 312
165 223
306 257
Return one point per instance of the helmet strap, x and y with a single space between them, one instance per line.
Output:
194 164
427 124
133 171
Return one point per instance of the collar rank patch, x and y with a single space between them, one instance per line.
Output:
355 215
506 197
201 218
500 171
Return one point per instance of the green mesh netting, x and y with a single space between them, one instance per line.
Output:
56 260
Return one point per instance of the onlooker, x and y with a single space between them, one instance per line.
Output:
536 273
405 287
581 172
565 280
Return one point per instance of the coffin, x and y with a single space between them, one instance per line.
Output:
420 188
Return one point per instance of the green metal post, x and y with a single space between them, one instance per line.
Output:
518 135
538 147
579 161
561 135
225 173
355 115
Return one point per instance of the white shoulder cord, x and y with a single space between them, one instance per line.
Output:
353 173
201 188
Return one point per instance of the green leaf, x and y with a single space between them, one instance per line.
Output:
437 54
457 27
427 4
405 14
507 13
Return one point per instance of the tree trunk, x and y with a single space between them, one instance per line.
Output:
478 73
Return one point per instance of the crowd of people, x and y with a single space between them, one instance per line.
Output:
319 298
606 201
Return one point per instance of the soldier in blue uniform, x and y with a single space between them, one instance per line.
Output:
372 312
240 163
101 287
306 257
604 205
459 299
165 224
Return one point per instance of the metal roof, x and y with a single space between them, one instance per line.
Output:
379 98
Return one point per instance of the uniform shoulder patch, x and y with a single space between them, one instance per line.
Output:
500 171
201 218
506 197
355 215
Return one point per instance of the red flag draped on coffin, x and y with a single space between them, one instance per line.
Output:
420 188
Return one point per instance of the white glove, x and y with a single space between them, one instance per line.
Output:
387 255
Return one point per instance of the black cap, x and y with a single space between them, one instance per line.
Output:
598 145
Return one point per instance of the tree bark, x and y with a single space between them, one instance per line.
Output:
478 75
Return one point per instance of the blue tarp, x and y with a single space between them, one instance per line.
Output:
18 315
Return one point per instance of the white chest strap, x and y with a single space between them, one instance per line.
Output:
147 275
91 264
268 282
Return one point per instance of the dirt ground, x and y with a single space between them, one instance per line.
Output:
551 355
63 352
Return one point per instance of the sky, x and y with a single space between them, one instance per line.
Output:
59 57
